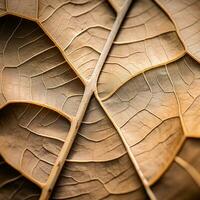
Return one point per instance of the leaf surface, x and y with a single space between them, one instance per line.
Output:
14 186
28 8
33 69
82 29
34 136
99 99
98 166
186 16
186 170
145 32
155 111
2 7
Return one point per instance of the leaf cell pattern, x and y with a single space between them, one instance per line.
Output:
34 70
133 53
98 166
186 17
40 134
82 29
99 99
14 186
150 129
28 8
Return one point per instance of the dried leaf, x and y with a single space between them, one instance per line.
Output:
145 32
155 111
2 7
186 16
82 29
14 186
34 136
189 188
98 166
33 70
28 8
99 99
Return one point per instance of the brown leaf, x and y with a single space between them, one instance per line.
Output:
2 7
28 8
33 70
99 99
178 181
31 138
186 16
14 186
155 111
82 29
98 166
145 32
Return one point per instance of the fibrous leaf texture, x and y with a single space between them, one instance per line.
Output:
99 100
